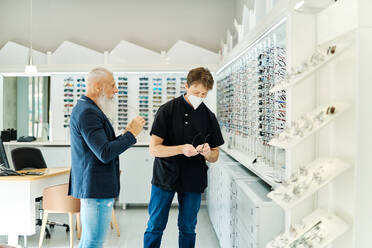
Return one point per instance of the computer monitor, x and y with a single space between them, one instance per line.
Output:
3 157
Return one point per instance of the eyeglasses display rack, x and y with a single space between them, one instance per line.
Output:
249 114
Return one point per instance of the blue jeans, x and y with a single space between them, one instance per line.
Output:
95 219
160 203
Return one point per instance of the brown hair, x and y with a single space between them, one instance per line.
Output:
200 75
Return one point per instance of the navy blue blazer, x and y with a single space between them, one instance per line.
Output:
95 152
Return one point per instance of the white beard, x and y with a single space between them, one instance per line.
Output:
108 107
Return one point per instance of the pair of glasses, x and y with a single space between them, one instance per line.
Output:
144 84
123 78
68 95
66 126
143 87
144 114
143 101
122 123
123 96
122 105
156 92
144 79
68 85
143 105
80 85
80 90
67 116
157 88
122 114
123 87
170 83
143 92
205 141
68 79
123 83
122 118
80 80
143 97
68 100
171 79
123 110
122 101
68 90
157 84
68 105
144 110
122 92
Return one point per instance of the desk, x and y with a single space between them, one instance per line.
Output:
18 194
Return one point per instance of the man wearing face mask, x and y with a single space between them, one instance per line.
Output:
185 134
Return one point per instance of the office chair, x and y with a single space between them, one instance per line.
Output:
31 158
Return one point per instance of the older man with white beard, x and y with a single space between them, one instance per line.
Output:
95 150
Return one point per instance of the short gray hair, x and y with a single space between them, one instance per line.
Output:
97 73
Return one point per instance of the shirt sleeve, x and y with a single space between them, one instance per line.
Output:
161 123
216 138
92 129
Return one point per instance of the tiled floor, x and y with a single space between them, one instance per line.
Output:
132 223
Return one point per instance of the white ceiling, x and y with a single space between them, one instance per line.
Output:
100 25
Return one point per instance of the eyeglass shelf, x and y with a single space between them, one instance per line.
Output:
341 107
262 170
333 166
332 226
284 85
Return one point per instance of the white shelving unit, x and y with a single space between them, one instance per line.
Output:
331 167
316 125
284 85
330 225
340 80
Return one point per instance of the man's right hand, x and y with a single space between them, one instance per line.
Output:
136 125
189 150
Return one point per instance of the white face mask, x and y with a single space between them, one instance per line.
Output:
195 101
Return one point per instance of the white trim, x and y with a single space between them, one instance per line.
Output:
252 44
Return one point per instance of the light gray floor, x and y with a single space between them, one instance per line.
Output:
132 223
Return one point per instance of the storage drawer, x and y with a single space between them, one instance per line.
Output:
243 237
248 226
246 207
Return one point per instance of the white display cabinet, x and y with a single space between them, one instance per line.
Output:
259 218
136 173
229 204
339 79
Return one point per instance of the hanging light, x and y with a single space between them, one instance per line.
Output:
30 68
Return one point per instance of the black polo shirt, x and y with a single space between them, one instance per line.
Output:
178 123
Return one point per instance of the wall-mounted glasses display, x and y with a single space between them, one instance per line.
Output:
122 107
249 114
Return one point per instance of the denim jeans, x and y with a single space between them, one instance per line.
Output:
160 203
95 219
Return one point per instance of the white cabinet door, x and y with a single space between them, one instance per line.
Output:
136 173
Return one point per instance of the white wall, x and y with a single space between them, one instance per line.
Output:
100 25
